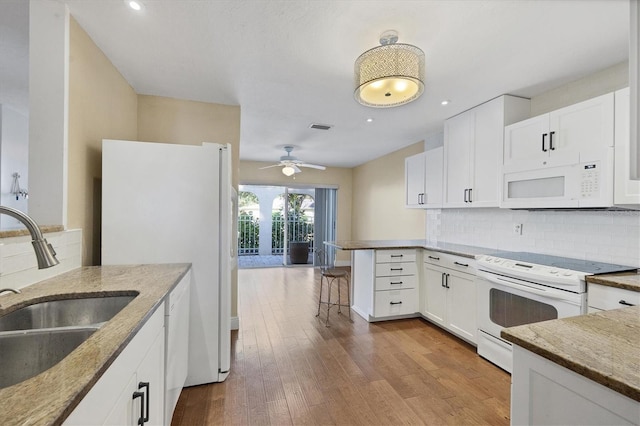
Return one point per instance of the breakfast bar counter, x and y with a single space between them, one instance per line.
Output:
442 247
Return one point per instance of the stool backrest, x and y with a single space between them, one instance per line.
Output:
323 259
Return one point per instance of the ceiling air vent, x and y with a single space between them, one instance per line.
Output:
319 126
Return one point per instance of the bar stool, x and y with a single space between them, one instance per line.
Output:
330 274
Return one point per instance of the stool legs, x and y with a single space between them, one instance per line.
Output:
330 281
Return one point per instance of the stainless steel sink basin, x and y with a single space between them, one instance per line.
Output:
25 355
64 313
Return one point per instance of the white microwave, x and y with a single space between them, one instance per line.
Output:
587 184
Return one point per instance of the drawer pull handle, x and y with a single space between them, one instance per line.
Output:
141 418
396 269
397 255
442 280
434 258
395 303
395 283
462 264
625 303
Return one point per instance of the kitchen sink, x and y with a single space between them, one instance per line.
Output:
64 313
25 355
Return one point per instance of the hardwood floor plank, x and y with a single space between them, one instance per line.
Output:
287 368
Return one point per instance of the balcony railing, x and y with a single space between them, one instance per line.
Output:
248 235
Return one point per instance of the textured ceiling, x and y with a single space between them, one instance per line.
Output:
290 63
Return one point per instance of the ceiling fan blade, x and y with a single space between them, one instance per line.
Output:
268 167
312 166
296 169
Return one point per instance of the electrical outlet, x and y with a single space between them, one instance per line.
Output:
517 229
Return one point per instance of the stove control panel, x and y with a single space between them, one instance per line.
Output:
547 275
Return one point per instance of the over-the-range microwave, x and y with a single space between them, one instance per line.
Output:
587 184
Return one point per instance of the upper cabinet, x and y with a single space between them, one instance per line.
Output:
473 142
626 188
423 179
567 136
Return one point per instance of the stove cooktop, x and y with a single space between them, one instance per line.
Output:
588 267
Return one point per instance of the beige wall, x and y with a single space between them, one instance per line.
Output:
379 196
102 105
180 121
250 174
602 82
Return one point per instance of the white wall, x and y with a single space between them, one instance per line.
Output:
606 236
18 264
14 158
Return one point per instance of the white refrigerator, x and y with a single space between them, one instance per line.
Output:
169 203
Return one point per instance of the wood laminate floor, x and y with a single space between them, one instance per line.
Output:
287 368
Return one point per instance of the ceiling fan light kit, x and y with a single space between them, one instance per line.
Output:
291 165
389 75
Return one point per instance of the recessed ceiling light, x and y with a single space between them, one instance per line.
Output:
135 5
369 120
445 102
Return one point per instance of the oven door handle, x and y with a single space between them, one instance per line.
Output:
519 286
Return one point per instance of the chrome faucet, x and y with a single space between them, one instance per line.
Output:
13 290
45 253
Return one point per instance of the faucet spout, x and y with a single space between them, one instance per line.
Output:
45 254
12 290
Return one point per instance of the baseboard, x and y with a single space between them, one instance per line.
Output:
342 263
235 323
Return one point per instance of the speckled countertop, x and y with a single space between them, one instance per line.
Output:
624 280
457 249
51 396
603 346
20 232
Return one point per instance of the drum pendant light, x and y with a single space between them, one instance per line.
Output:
389 75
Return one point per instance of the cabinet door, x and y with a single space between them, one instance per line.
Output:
458 141
461 305
414 168
627 188
582 131
523 144
126 410
435 303
487 153
433 169
151 371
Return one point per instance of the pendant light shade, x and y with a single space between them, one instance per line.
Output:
389 75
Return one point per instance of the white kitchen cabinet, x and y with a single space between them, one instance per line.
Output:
570 135
414 178
450 295
473 143
423 179
385 284
111 400
626 182
604 298
545 393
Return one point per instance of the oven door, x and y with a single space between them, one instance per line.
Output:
508 302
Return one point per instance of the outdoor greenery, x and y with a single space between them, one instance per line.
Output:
299 227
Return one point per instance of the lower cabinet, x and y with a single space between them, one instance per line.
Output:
604 298
450 301
543 392
131 391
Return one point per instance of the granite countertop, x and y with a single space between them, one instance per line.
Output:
51 396
456 249
602 346
624 280
46 229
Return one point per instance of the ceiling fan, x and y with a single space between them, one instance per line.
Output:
291 164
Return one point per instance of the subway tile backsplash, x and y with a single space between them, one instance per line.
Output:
606 236
18 265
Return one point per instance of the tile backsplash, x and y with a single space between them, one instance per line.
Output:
605 236
18 265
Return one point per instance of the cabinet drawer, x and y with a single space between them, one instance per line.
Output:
605 298
385 256
459 263
395 283
396 302
395 269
